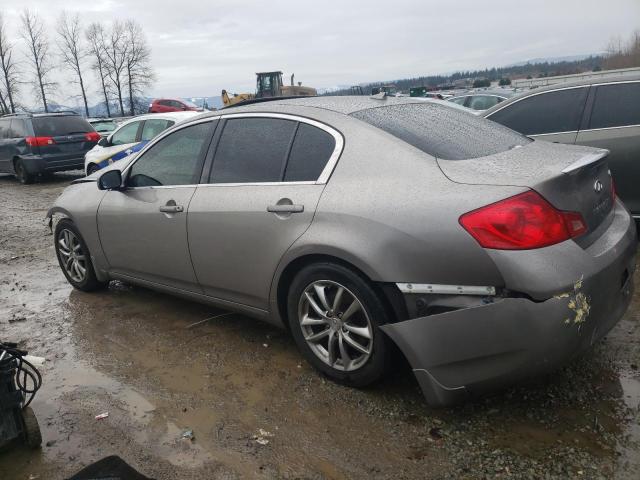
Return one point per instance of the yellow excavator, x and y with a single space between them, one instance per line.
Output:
269 84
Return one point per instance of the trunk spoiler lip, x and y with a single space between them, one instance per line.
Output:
586 160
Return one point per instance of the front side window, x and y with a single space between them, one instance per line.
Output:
483 102
616 105
551 112
152 128
310 152
458 100
174 160
252 150
127 134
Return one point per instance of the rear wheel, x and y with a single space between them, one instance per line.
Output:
22 175
335 317
74 258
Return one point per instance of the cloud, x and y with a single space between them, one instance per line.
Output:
201 47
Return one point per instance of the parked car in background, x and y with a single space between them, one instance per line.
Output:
104 126
478 101
37 144
356 222
603 113
130 137
164 105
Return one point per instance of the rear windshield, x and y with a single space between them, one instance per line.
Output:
56 126
441 131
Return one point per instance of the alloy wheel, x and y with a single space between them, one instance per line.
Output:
335 325
74 259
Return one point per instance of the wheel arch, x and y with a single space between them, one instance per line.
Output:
389 293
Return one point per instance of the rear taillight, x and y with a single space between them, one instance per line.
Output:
39 141
522 222
92 136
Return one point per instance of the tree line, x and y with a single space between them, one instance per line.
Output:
112 60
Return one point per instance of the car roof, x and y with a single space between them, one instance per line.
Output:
175 116
343 104
558 86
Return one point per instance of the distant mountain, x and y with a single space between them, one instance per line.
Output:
568 58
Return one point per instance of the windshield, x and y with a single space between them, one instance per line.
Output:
105 126
442 131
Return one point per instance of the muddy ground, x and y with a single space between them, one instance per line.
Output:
131 352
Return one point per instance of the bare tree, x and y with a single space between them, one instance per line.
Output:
9 81
621 54
116 50
95 37
71 49
38 44
139 74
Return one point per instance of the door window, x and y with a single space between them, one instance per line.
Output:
616 105
310 152
253 150
551 112
18 129
127 134
4 128
458 100
483 102
174 160
152 128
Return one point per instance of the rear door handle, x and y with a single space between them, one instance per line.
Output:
172 209
285 208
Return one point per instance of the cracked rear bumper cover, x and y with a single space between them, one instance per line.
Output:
477 349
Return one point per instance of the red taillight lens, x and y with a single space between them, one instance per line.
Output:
39 141
92 136
522 222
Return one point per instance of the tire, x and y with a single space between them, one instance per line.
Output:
71 248
32 435
360 368
92 168
22 175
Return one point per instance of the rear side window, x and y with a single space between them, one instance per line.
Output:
18 129
616 105
4 128
152 128
442 131
552 112
310 152
174 160
55 126
252 150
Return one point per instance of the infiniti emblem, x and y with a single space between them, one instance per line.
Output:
598 186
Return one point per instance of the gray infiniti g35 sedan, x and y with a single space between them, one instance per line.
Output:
359 223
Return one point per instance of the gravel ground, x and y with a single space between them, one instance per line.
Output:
239 384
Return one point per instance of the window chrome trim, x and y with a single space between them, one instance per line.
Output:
637 125
614 83
322 179
550 133
535 95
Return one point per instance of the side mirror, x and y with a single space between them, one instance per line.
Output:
111 180
103 142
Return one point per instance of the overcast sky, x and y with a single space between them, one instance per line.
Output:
200 47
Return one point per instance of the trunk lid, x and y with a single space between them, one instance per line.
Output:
571 178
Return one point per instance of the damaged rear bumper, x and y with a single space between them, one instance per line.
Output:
505 339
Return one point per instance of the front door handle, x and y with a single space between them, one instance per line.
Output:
172 209
285 208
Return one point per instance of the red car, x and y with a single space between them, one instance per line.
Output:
163 105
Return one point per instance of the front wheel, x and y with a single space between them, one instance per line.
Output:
335 317
74 258
92 168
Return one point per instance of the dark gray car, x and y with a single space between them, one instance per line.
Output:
36 144
357 223
603 113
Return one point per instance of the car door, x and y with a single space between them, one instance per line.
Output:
266 179
143 228
552 115
614 124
